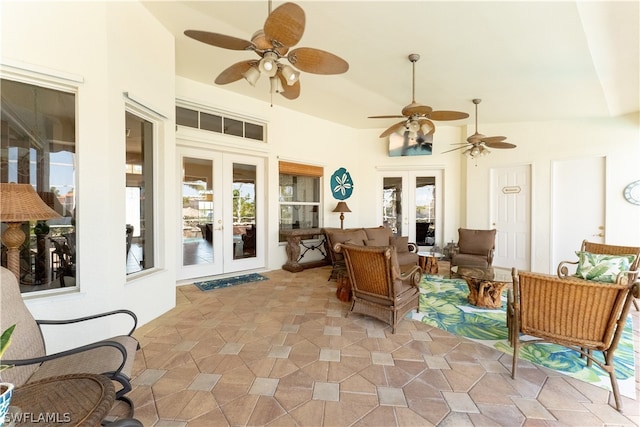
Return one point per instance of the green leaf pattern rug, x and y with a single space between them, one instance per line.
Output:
444 304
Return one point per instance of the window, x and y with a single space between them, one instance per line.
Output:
299 196
219 123
139 230
38 141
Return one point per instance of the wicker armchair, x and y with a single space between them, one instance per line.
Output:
599 248
581 315
379 289
113 357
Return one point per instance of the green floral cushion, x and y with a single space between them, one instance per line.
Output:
602 268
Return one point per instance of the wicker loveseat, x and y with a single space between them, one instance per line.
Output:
407 252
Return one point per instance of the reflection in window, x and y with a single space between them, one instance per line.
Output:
38 141
299 196
139 230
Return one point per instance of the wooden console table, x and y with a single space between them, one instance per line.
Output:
294 253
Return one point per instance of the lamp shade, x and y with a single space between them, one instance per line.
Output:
20 202
342 207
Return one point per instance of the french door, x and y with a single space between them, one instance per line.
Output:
221 213
411 205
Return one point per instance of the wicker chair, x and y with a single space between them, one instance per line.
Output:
581 315
113 357
379 289
599 248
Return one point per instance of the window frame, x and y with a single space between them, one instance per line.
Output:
296 169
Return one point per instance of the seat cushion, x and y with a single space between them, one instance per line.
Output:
469 260
95 361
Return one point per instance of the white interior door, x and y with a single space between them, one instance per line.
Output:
511 216
221 213
578 207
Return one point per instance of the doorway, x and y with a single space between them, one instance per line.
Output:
511 216
221 213
411 205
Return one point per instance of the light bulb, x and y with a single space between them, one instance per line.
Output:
269 64
414 126
475 152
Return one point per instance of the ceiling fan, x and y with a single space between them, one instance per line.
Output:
282 30
417 117
479 143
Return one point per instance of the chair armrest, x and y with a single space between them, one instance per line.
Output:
635 290
91 317
87 347
627 276
413 248
563 269
490 256
412 276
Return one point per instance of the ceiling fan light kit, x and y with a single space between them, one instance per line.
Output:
282 29
480 143
417 117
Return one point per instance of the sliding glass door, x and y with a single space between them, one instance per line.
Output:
221 211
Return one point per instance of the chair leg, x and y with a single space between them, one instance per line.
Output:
514 363
635 304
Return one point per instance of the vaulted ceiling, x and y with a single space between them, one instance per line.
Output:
527 61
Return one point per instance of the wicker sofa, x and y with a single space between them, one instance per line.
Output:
407 252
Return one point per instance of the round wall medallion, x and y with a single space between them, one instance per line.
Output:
632 193
341 184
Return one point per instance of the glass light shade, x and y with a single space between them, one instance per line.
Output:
269 64
290 74
276 85
252 75
414 126
475 152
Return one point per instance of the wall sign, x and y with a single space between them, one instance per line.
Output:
341 184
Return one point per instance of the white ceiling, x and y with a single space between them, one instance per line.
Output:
527 61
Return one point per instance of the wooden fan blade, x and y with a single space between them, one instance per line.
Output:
220 40
416 109
285 25
454 149
392 129
234 72
317 61
385 117
492 139
290 92
499 144
447 115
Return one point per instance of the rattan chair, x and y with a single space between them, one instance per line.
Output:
600 248
113 357
379 289
581 315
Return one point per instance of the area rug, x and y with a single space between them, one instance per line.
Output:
443 304
229 281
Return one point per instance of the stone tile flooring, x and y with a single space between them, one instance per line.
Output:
280 352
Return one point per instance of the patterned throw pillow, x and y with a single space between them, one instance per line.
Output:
602 268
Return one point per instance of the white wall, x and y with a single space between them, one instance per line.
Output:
540 144
103 45
297 137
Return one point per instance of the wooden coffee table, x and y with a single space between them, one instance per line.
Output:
485 284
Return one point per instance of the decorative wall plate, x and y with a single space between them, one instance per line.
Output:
341 184
632 193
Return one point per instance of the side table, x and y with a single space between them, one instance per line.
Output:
428 261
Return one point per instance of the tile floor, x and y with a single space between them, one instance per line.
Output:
280 352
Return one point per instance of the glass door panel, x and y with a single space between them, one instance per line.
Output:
244 211
392 204
197 211
425 210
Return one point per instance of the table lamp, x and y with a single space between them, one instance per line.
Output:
342 208
19 203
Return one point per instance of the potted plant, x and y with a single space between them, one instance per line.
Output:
6 389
